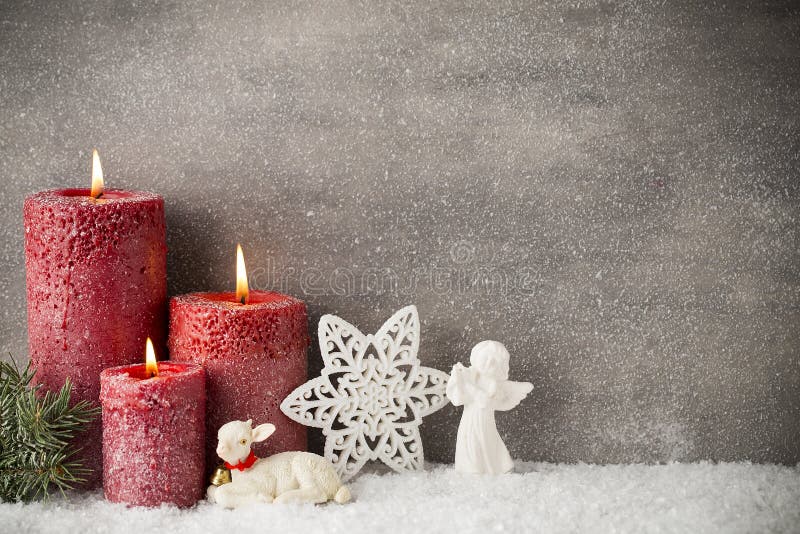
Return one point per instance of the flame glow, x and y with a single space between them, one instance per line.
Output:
151 366
97 175
242 289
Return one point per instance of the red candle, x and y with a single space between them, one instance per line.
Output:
254 355
154 433
96 280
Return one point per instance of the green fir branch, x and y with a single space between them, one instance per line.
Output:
36 432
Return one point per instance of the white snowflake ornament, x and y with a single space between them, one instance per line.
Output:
372 394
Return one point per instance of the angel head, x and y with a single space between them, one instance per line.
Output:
490 358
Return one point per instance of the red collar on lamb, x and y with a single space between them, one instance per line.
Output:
241 466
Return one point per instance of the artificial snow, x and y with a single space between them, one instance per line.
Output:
695 498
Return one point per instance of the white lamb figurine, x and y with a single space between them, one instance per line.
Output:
297 477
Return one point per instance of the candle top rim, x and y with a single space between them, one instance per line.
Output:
131 385
73 195
137 372
226 300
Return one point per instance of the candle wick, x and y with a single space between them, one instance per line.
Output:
243 300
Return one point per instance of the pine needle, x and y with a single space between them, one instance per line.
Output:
36 432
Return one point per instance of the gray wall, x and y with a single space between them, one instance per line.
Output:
611 189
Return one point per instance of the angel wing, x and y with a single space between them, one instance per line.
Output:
509 394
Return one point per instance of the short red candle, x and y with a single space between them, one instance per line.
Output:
154 434
254 355
97 287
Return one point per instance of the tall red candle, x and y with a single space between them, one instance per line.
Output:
254 355
154 434
96 283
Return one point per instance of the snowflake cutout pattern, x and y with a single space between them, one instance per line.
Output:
371 395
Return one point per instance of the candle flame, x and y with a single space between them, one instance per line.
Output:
97 175
242 289
150 359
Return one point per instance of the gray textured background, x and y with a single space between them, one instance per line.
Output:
611 189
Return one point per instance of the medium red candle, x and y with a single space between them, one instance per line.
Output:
154 433
254 354
96 282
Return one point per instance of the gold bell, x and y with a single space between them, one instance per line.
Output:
222 475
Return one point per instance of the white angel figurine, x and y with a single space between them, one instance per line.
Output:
483 388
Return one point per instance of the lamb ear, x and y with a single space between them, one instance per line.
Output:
262 432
